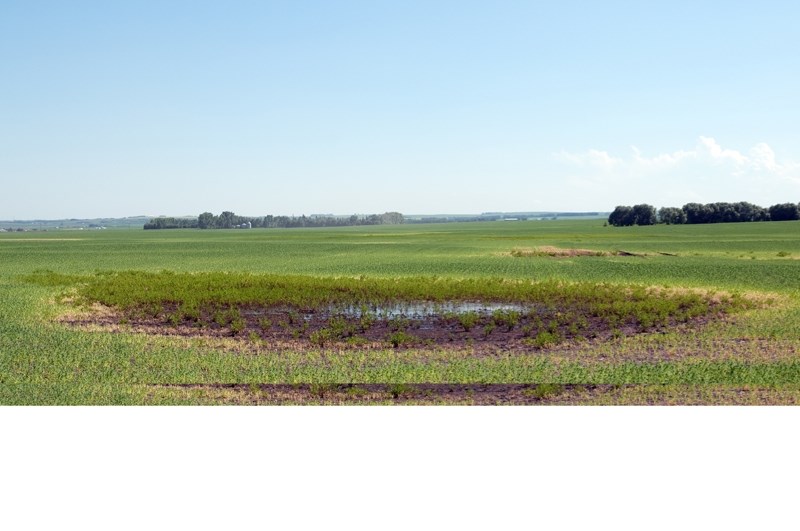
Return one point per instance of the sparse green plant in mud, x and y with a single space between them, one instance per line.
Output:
545 339
399 323
507 318
321 337
357 341
237 325
321 390
544 391
468 320
366 320
191 312
340 328
400 338
220 318
399 390
356 391
175 318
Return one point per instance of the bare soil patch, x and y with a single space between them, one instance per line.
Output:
547 250
559 252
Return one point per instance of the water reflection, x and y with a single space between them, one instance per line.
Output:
418 310
409 310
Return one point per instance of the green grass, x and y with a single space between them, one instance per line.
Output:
709 255
44 362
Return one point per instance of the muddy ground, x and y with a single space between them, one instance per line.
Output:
479 331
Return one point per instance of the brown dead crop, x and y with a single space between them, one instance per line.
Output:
559 252
547 250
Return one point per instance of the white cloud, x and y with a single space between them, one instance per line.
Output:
764 158
761 157
709 147
707 172
663 160
592 158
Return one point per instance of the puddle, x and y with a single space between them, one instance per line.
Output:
410 310
421 310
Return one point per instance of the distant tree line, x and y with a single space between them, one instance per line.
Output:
695 213
229 220
454 219
171 223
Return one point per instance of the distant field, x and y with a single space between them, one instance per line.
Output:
751 355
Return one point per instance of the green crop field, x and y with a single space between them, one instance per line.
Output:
706 314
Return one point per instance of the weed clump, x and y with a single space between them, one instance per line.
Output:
399 390
507 318
400 338
468 320
547 390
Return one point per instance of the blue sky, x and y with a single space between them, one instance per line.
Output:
292 107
